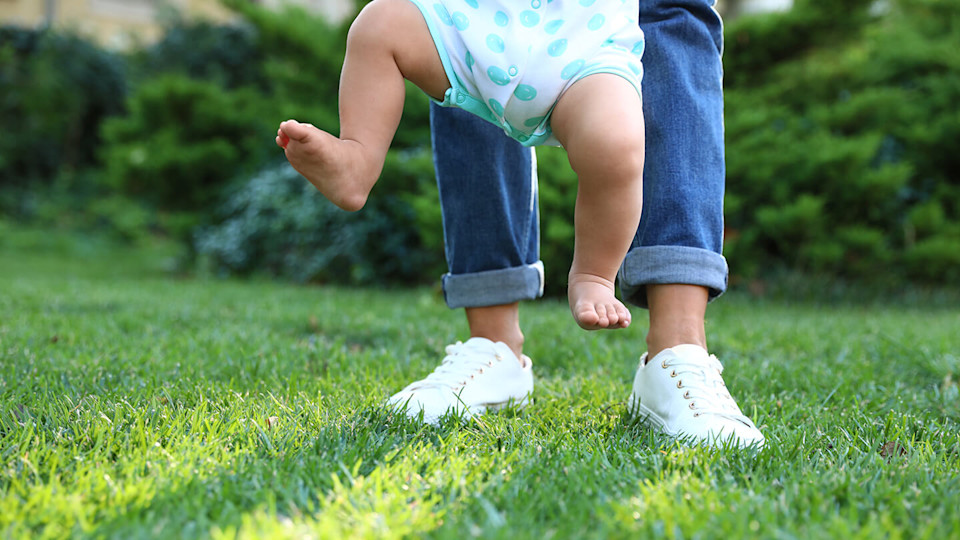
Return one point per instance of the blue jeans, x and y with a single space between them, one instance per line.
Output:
488 189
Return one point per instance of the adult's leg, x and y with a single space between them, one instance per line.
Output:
488 194
489 201
675 264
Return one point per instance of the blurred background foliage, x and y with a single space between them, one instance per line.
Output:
841 117
842 135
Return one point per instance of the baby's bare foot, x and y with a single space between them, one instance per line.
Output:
594 304
338 168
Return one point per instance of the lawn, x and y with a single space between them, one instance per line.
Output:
135 403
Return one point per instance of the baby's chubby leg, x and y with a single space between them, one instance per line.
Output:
387 43
599 121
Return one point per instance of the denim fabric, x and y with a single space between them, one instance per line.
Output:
488 193
680 238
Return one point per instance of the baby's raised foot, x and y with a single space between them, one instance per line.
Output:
594 304
337 168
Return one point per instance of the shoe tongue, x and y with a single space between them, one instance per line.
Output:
481 344
692 352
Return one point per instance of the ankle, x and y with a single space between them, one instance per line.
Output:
677 316
575 278
658 342
497 323
514 341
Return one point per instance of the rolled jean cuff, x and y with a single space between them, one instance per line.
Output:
657 265
494 287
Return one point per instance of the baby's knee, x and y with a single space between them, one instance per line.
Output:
629 152
623 157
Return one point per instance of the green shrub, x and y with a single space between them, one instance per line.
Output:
229 55
840 153
55 89
936 258
183 140
277 224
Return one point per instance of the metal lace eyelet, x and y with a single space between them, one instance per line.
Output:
663 364
680 383
673 373
686 395
498 357
692 404
696 414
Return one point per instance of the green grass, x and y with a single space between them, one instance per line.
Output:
135 404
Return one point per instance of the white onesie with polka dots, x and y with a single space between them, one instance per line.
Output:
508 61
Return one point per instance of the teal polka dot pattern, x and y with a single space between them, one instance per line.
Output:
498 76
525 92
572 68
557 48
552 26
509 61
495 43
443 14
533 122
596 22
529 18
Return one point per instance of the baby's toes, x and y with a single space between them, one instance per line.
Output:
603 314
613 315
587 315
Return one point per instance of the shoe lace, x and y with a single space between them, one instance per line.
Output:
703 386
460 364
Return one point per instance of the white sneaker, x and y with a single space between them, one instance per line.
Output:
681 392
475 377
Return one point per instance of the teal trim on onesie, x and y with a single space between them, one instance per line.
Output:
612 70
455 96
